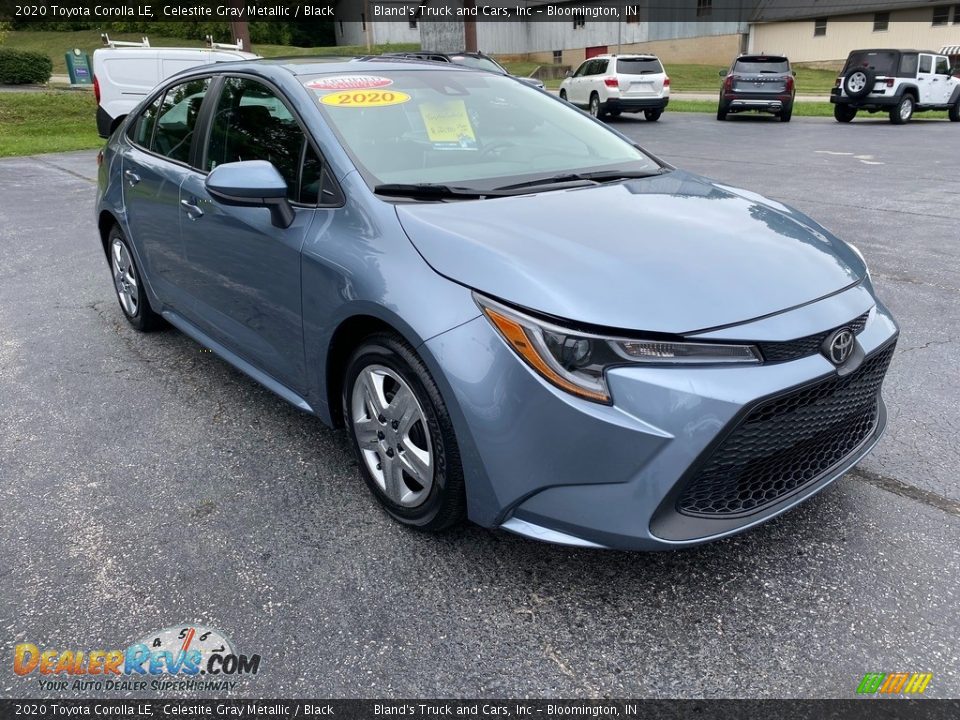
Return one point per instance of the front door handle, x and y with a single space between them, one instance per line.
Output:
131 177
193 211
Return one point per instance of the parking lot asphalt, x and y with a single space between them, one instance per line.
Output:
144 483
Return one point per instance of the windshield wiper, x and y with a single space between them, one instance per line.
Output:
590 177
432 191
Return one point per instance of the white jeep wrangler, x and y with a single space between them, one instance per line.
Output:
900 82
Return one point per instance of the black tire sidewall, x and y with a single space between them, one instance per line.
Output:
444 504
895 113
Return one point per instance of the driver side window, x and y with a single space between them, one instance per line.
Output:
943 66
251 122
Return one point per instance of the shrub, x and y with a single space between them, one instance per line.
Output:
19 67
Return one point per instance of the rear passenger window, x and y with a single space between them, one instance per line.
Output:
177 119
252 123
926 63
142 129
908 65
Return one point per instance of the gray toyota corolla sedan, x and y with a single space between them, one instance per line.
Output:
519 316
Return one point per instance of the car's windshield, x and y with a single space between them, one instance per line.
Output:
762 65
467 129
479 63
881 62
638 66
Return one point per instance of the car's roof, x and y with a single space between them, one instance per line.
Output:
624 56
893 50
315 65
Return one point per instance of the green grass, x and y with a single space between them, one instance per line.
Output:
800 109
56 44
43 122
705 78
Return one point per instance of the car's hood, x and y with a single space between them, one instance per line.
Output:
673 253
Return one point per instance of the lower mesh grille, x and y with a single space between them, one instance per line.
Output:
788 442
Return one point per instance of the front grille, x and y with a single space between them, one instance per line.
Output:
802 347
787 442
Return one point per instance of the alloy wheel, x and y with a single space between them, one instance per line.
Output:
391 431
125 277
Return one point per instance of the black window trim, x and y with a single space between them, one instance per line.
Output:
199 126
207 119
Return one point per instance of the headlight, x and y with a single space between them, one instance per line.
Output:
576 361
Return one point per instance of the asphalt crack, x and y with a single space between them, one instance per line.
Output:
898 487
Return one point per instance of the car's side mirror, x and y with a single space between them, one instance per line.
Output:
793 72
568 73
722 73
252 183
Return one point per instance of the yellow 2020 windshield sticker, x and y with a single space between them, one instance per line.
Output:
448 122
364 98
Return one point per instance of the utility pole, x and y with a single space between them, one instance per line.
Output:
240 29
470 26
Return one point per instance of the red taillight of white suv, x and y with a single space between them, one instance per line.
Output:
611 82
96 89
666 82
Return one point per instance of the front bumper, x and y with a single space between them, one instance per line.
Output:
547 465
637 104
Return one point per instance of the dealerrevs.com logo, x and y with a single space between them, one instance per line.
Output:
186 657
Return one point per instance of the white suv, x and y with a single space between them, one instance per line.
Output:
619 83
124 73
900 82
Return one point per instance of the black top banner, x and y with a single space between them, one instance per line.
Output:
46 11
867 708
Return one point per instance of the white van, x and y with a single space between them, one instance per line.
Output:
124 73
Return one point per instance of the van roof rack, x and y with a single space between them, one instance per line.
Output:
107 42
238 45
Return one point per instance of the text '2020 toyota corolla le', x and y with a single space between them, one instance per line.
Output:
519 316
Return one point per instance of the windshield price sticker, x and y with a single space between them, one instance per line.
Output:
365 98
447 123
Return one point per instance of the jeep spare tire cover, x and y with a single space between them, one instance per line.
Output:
859 82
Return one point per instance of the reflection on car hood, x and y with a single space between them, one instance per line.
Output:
673 253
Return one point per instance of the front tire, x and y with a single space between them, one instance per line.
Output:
954 112
652 115
128 284
901 114
402 435
563 95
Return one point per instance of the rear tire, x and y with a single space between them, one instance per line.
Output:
901 114
844 113
563 94
652 115
722 111
128 284
786 114
595 107
402 435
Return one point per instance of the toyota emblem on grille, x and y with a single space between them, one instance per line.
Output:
838 346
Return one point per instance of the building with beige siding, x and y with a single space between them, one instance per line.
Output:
808 35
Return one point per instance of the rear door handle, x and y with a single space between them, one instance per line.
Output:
131 177
193 211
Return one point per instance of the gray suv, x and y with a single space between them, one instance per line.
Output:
899 82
